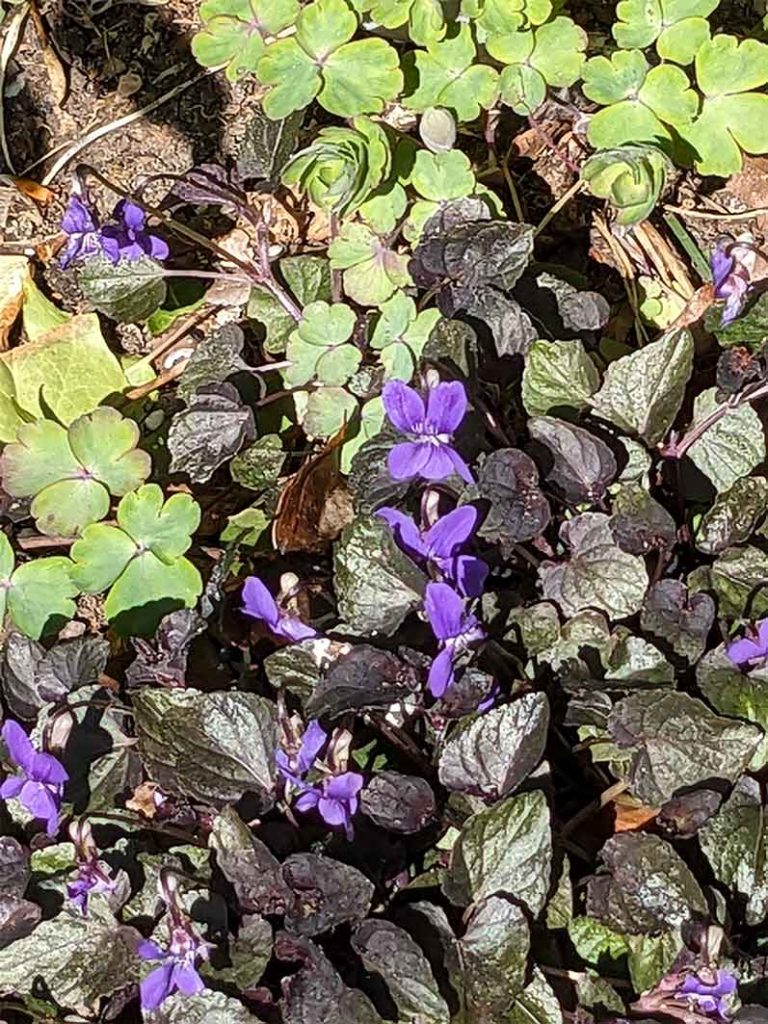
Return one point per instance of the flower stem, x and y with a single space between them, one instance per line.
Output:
677 448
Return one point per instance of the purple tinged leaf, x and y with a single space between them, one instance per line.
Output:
399 803
326 894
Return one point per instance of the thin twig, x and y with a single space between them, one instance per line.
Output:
157 382
166 343
40 543
565 198
121 122
758 211
10 42
511 187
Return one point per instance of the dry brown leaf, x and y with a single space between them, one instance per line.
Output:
631 814
32 189
314 506
145 799
14 271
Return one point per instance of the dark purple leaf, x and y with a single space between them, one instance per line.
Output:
518 511
580 465
681 619
326 893
399 803
163 660
365 678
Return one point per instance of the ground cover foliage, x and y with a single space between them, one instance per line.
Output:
398 650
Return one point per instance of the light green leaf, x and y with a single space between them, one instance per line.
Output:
165 528
683 40
640 22
448 77
100 555
325 410
40 596
400 335
537 1003
446 175
737 694
494 955
726 126
727 65
608 80
104 444
642 392
317 347
245 527
371 421
668 93
39 314
522 88
69 370
292 75
558 53
504 848
732 447
324 26
147 590
361 78
233 32
371 270
558 374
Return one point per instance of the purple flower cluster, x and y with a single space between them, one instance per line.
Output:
731 265
126 238
430 455
39 782
177 970
335 797
91 877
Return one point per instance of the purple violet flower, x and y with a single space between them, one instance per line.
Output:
39 785
294 768
750 649
177 970
455 628
731 271
259 604
428 453
710 998
91 876
130 239
336 799
80 224
439 545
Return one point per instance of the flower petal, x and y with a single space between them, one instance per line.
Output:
158 247
405 531
47 768
446 407
460 466
259 603
333 812
403 406
130 214
78 218
467 573
345 786
445 610
40 803
450 532
408 459
20 749
722 263
440 673
742 651
312 742
187 980
148 950
157 986
307 801
292 628
11 787
439 463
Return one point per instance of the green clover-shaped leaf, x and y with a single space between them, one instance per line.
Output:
496 17
234 31
551 55
631 177
141 559
733 117
400 335
642 101
425 18
668 22
440 176
319 346
324 411
448 77
71 472
348 78
37 595
372 271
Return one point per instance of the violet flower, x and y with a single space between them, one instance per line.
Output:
39 784
455 628
439 545
259 604
294 768
709 998
80 224
129 239
336 799
177 970
731 265
428 452
750 649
